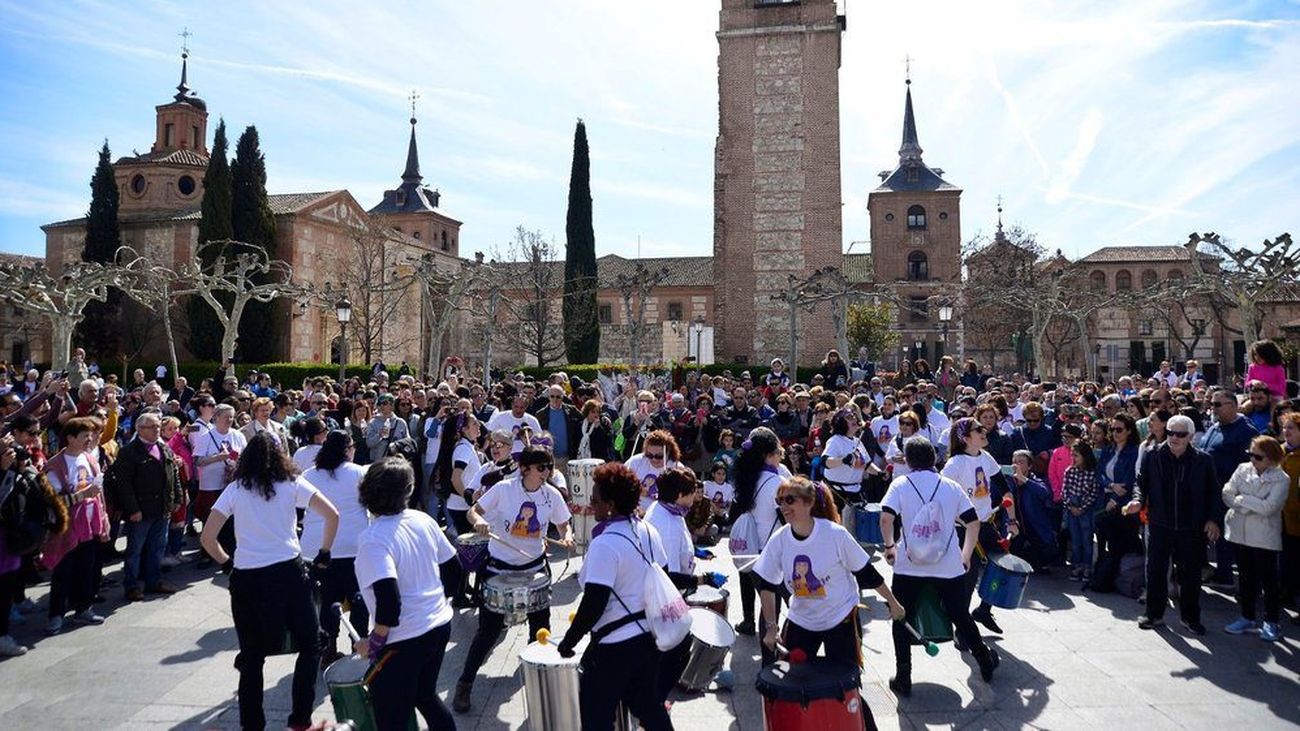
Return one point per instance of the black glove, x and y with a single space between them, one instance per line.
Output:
565 649
322 560
228 566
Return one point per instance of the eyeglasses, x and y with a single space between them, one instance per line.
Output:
556 396
1177 434
786 499
1117 429
1257 457
654 455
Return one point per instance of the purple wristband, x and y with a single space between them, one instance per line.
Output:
376 644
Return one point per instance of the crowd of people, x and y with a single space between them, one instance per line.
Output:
360 493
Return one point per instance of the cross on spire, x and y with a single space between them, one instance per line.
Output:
1001 236
413 97
907 63
185 41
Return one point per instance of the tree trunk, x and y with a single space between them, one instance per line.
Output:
61 327
1081 321
171 338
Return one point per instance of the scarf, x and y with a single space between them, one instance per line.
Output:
602 525
675 509
584 446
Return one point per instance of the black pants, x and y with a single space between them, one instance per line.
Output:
843 642
621 671
988 541
491 624
671 666
1290 566
75 579
1187 549
956 602
1257 570
334 584
456 583
265 602
748 590
10 583
405 677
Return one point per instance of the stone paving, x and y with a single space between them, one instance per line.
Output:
1069 660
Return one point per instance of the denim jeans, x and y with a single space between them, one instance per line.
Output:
1080 538
429 493
145 543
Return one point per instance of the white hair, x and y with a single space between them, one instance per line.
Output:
1179 422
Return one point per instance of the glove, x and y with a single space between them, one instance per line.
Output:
322 560
565 649
715 579
703 553
228 566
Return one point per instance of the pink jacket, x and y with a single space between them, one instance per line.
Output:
1272 376
181 446
1060 462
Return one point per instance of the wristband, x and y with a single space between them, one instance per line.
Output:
375 644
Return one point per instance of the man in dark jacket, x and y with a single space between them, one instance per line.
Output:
1178 487
147 486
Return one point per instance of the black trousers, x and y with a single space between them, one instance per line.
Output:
621 671
491 624
456 582
1256 571
10 583
749 590
334 584
956 602
75 579
405 678
671 665
1187 549
843 642
265 603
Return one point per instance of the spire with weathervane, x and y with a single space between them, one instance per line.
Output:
910 152
1001 236
412 173
412 195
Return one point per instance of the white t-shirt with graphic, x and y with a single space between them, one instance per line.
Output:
648 475
847 477
721 494
408 547
675 536
210 443
509 423
884 429
817 570
519 517
905 497
975 475
614 561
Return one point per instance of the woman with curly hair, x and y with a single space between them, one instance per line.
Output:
270 590
659 453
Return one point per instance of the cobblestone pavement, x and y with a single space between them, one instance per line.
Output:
1069 660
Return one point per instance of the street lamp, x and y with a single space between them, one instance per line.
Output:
945 316
916 353
343 309
698 326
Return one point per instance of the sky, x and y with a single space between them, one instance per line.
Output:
1099 123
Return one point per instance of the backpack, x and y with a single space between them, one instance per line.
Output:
926 539
29 514
665 610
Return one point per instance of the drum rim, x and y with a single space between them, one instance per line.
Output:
997 561
825 687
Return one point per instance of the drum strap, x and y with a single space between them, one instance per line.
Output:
623 621
499 565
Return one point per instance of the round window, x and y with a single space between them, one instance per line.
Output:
185 185
943 215
889 216
137 184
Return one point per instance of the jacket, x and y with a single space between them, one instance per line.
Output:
1291 510
572 427
1227 445
1179 493
1062 458
1254 503
1125 472
143 484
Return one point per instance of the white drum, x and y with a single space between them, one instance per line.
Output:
711 639
580 476
550 688
516 594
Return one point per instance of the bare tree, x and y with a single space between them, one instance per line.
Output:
61 299
536 292
635 289
371 271
1247 278
446 290
803 293
242 271
156 288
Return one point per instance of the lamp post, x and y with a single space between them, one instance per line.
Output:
945 316
698 326
343 309
916 352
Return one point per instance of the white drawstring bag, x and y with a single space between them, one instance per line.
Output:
665 610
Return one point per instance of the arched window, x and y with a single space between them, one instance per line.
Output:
1175 277
916 217
918 266
1123 280
1098 281
1149 278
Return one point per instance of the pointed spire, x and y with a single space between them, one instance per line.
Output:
1001 235
183 90
910 152
412 172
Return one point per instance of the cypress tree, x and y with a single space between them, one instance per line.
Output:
581 326
205 329
99 333
252 222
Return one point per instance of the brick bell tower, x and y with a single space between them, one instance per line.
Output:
777 204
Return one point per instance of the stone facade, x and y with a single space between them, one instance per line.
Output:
777 170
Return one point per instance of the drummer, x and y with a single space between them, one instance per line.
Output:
514 514
622 661
907 497
659 453
758 476
458 461
678 490
845 458
501 466
974 469
400 560
822 568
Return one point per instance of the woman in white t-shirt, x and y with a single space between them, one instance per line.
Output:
975 470
270 591
757 477
401 559
906 502
458 460
885 426
338 478
310 433
658 453
216 450
823 569
621 664
845 459
515 515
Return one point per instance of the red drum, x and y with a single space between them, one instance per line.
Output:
817 695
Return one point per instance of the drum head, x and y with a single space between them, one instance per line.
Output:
588 463
1014 564
873 507
548 654
711 628
471 539
807 681
347 670
705 595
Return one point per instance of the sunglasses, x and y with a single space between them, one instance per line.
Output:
654 455
786 499
1117 429
1177 434
1256 457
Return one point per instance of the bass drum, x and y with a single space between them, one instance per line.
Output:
580 476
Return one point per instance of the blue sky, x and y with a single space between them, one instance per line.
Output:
1099 123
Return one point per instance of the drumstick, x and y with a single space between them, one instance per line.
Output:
931 649
337 608
516 549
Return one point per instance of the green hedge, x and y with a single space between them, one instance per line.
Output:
290 375
588 372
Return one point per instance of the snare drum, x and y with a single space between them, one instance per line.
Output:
516 594
550 688
472 550
710 598
711 639
1004 581
817 695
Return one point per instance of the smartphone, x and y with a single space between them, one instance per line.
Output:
1008 470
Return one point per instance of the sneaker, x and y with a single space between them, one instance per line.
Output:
460 701
1242 626
1195 628
1220 582
16 617
1150 623
10 647
985 617
746 628
171 560
54 626
901 685
87 616
990 663
1270 632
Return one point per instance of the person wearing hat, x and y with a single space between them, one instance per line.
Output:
384 429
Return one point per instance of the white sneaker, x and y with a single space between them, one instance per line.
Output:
171 560
10 647
87 616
